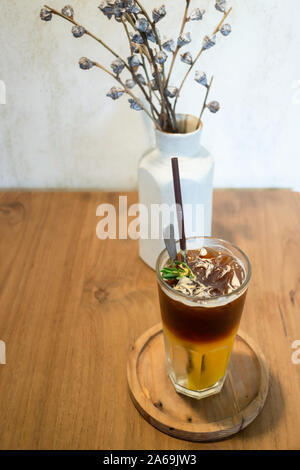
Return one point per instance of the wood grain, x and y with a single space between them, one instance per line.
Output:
71 306
240 401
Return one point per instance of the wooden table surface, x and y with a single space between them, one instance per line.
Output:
71 306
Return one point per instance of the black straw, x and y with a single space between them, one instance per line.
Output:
178 200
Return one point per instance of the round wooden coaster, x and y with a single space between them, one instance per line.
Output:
217 417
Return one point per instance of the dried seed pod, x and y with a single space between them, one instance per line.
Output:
115 93
213 106
136 38
112 8
106 9
131 7
85 63
160 57
225 29
151 36
134 105
117 66
142 25
140 78
196 15
45 15
187 58
201 78
221 5
209 42
169 45
154 84
184 38
129 83
171 91
68 11
78 31
118 12
158 13
135 48
134 61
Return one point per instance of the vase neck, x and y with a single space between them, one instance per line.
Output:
178 145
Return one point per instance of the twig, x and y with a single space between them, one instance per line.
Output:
204 103
164 118
149 86
184 21
160 86
56 12
153 108
151 22
144 52
71 20
164 114
142 48
127 34
129 92
164 100
222 21
130 20
198 55
152 60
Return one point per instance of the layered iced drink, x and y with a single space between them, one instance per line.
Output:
201 306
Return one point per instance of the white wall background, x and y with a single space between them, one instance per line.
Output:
59 130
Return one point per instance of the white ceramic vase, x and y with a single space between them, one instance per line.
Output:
155 181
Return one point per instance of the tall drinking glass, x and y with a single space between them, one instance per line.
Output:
199 333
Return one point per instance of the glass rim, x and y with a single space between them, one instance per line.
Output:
199 299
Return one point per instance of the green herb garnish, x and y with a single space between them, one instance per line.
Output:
176 270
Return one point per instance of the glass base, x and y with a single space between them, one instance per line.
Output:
197 370
198 394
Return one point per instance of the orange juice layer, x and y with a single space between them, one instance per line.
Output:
207 361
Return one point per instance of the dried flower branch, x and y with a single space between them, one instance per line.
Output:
184 21
201 78
138 45
80 30
88 33
166 108
161 82
131 40
117 93
203 48
151 23
147 31
141 30
144 25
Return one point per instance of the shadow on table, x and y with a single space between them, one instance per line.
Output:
269 417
